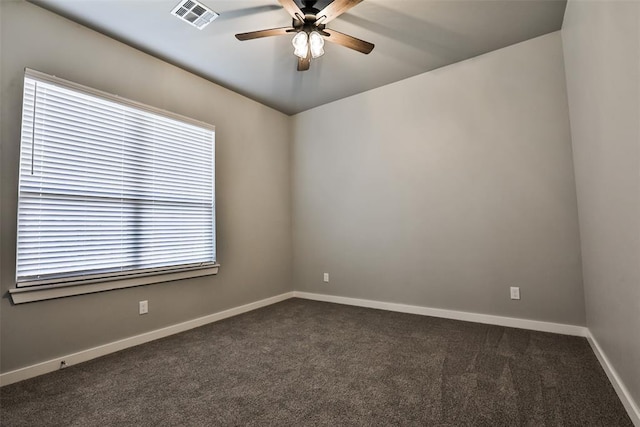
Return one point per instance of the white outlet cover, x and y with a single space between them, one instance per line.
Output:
515 292
143 307
326 277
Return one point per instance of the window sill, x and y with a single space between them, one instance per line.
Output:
45 292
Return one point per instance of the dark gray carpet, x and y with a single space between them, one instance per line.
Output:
311 363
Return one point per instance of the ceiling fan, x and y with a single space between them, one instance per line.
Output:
309 26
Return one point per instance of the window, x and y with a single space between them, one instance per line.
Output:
109 188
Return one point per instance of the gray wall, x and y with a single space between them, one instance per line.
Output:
253 190
602 55
445 189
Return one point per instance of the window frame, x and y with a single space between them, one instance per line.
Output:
28 291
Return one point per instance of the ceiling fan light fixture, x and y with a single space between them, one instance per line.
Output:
300 44
316 44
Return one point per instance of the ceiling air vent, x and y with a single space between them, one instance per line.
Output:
194 13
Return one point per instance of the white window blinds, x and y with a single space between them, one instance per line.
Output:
109 187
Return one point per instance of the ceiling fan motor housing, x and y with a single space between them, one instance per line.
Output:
308 22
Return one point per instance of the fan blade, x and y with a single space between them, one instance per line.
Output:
348 41
304 63
264 33
291 7
335 9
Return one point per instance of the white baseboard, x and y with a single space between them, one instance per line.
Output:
512 322
623 393
92 353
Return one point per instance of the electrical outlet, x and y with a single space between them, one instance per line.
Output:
326 278
143 307
515 292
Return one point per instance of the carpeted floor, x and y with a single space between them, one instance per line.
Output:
300 363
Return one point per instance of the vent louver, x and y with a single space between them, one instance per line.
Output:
194 13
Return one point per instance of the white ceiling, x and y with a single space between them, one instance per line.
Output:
411 37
